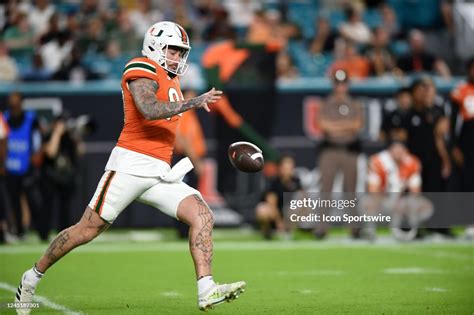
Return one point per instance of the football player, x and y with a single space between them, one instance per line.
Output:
139 166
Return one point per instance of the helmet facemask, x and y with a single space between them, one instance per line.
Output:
181 64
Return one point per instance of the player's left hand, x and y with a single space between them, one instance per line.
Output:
209 97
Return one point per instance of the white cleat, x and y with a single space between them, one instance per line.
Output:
24 294
221 293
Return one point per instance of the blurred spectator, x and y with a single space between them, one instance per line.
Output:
219 28
52 32
110 65
38 71
463 151
393 128
205 10
381 60
266 29
19 38
72 25
286 70
355 29
341 121
269 211
394 170
143 16
124 34
291 31
447 14
419 60
39 16
93 40
55 52
59 170
355 65
397 172
89 10
24 143
389 20
74 70
3 155
324 39
241 12
427 128
8 67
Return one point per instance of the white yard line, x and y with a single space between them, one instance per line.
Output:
121 246
40 299
412 270
436 289
306 273
435 254
171 294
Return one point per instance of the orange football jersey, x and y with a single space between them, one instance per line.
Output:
151 137
393 177
463 96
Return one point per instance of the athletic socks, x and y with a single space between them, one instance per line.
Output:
204 284
33 276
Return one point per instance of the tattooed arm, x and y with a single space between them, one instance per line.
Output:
144 94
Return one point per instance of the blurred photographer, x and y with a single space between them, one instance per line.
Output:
21 165
62 149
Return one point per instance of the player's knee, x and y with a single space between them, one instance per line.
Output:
87 234
204 217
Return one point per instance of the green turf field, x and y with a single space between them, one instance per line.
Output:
283 277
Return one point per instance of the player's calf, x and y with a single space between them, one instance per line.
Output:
88 228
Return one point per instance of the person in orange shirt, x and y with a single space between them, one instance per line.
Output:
139 165
355 65
394 185
394 170
463 151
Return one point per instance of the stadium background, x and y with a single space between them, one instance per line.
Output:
105 34
279 103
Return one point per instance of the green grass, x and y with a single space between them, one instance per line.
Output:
299 277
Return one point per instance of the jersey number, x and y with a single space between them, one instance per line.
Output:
174 96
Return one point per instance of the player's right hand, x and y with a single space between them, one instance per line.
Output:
209 97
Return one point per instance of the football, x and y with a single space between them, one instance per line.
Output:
246 157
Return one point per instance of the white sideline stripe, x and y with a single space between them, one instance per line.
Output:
41 299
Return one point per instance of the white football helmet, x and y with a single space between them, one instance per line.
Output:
159 37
